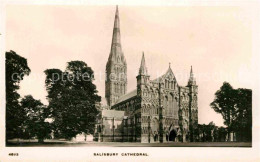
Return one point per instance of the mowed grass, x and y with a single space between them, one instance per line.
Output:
63 143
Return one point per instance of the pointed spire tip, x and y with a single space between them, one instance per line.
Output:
143 69
192 80
116 48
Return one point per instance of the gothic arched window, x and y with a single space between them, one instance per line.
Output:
148 109
171 100
175 107
144 108
165 105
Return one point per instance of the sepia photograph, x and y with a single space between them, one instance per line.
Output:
129 76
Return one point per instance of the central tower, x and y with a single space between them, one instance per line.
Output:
116 68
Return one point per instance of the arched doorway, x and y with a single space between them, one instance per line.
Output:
172 136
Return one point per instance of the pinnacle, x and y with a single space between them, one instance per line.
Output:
143 69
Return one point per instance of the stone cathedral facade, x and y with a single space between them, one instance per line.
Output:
158 110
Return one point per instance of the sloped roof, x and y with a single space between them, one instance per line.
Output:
113 113
169 72
127 96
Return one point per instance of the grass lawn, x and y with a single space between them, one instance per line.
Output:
63 143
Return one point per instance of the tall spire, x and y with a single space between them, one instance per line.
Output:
192 80
143 69
116 53
116 66
116 30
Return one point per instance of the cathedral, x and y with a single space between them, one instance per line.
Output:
158 110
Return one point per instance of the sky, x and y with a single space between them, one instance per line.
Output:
215 41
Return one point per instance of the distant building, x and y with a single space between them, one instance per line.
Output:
157 110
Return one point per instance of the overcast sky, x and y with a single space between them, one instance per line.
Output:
216 41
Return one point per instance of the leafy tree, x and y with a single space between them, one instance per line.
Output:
16 69
224 103
72 97
207 132
235 105
243 116
221 134
36 114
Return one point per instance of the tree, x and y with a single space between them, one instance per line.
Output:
16 69
72 97
224 103
235 105
221 134
243 116
36 114
207 132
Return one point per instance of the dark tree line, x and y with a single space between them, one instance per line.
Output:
211 133
71 95
235 106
